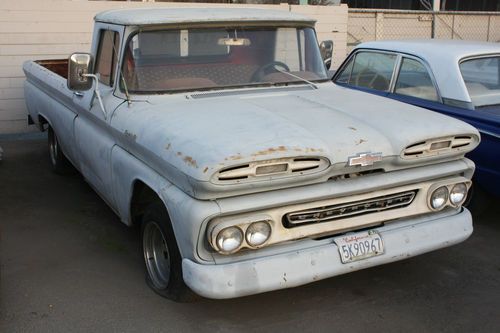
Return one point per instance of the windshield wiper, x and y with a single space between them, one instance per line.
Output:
298 77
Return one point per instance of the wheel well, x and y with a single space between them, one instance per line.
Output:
142 197
43 124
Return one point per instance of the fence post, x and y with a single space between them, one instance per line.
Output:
433 25
379 25
488 32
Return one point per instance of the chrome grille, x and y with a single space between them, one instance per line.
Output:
351 209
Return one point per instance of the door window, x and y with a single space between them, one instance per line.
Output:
107 55
414 80
369 70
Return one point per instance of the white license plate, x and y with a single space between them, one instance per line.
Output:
359 246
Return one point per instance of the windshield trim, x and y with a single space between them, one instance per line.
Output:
256 24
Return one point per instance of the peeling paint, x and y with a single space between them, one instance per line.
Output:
352 128
205 170
179 153
190 161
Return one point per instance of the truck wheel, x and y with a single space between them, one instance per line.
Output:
58 160
161 255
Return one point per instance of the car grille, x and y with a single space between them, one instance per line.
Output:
347 210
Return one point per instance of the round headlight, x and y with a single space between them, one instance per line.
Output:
229 239
258 233
439 197
458 194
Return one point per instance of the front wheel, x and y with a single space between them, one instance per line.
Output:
161 255
58 160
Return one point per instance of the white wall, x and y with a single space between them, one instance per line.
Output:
45 29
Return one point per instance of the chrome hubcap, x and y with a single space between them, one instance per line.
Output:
156 255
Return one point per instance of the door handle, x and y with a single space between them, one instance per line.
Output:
78 94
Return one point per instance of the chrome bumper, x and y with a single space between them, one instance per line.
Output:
403 239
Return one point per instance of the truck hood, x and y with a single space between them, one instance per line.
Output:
199 136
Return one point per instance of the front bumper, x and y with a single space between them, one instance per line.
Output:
403 239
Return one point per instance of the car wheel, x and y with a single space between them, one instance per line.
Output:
58 160
161 255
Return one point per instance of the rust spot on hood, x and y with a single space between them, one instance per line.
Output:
360 141
190 161
269 151
205 170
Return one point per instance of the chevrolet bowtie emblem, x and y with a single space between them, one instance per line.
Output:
364 159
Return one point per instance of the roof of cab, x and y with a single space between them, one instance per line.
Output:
169 15
443 57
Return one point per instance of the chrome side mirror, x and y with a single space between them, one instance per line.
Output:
80 64
326 49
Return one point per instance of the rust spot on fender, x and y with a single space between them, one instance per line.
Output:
190 161
130 135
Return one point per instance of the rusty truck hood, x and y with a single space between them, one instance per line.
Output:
200 136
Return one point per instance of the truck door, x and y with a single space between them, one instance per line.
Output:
93 134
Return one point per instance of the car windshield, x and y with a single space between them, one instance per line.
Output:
482 79
196 59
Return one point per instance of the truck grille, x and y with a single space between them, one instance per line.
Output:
346 210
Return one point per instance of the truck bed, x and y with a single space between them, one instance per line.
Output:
58 66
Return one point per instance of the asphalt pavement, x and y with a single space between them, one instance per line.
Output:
69 265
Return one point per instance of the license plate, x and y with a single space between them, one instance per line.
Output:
359 246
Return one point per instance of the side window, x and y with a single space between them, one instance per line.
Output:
414 80
372 70
107 56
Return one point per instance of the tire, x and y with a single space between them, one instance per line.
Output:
162 258
60 164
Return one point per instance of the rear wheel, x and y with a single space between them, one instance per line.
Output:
161 255
58 160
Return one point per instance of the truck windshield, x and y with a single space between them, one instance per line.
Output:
482 79
196 59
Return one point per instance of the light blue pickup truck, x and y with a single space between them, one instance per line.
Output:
221 134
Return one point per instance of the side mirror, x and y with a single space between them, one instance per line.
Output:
79 64
326 49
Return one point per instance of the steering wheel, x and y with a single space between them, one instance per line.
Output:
371 79
259 74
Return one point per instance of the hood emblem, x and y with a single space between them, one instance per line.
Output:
364 159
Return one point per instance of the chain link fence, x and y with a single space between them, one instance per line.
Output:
368 25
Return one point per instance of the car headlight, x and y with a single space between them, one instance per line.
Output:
229 239
458 194
439 197
258 233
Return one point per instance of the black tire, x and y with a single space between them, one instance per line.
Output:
60 164
162 258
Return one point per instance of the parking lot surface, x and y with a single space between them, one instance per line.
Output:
69 265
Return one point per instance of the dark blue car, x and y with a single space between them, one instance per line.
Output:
457 78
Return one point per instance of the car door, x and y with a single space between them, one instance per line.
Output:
93 133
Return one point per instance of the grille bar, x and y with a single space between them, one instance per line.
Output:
341 211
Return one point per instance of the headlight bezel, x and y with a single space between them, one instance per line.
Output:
242 224
449 185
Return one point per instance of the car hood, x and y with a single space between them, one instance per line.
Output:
199 136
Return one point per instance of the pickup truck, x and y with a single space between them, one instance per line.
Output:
220 133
